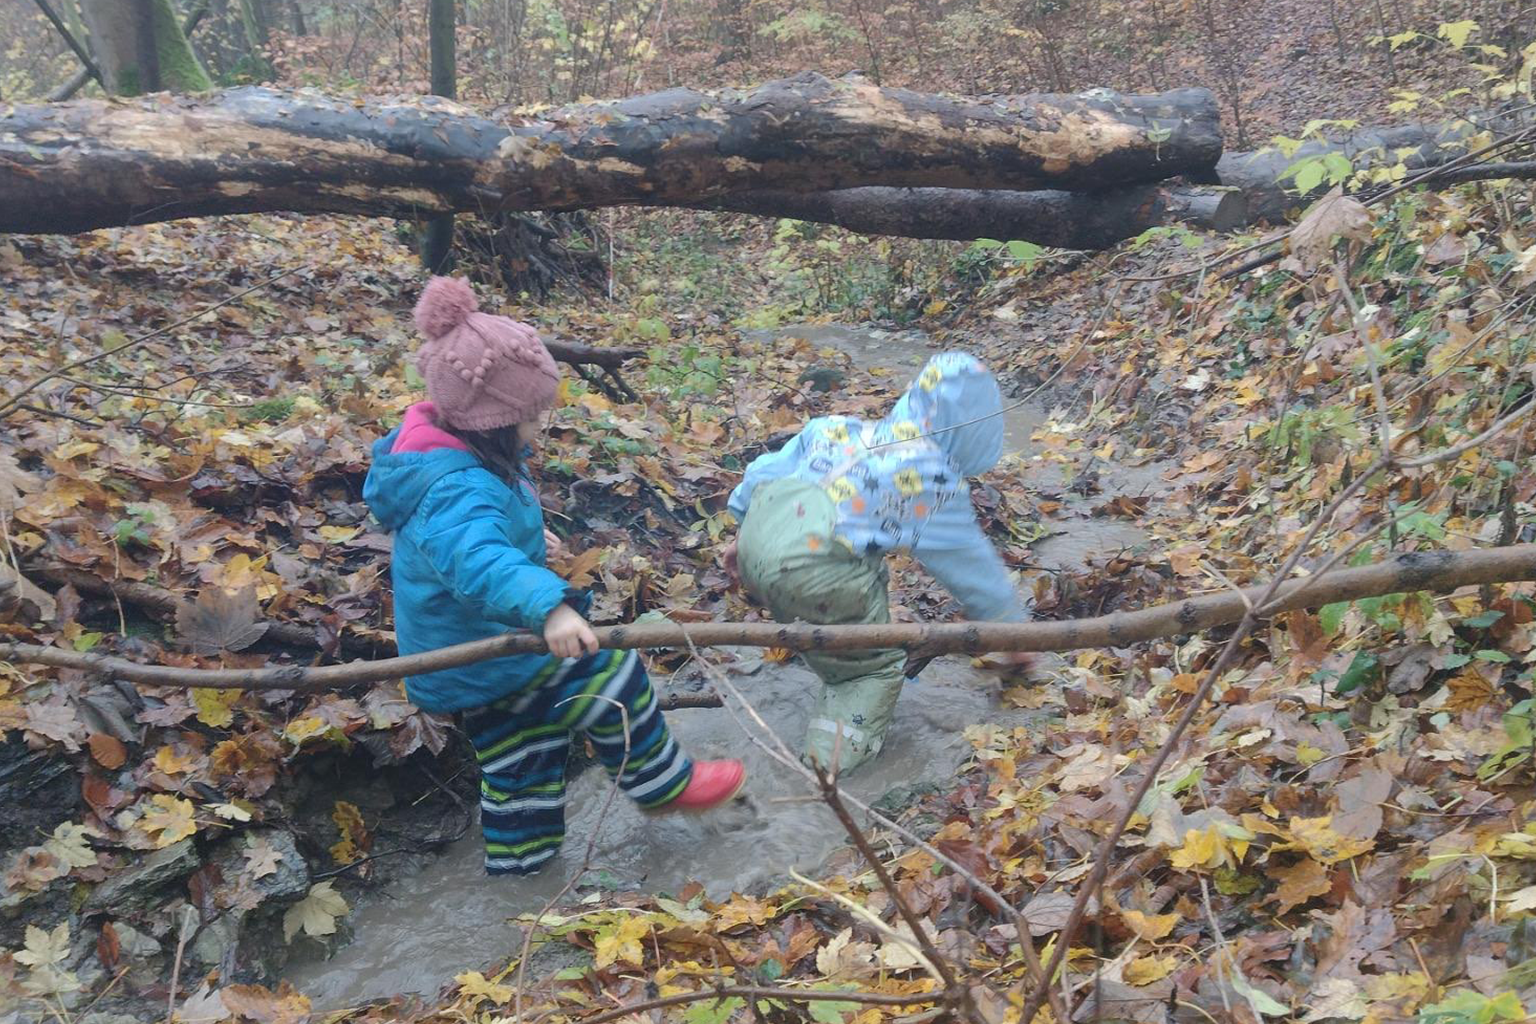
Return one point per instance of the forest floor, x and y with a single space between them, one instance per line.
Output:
1341 835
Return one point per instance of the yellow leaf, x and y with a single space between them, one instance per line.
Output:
1317 837
301 729
473 985
339 534
1144 970
596 403
1150 927
622 942
167 760
171 816
1308 755
354 840
1201 849
215 707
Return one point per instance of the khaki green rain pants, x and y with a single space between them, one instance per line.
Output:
790 562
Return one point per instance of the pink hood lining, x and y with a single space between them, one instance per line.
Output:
419 432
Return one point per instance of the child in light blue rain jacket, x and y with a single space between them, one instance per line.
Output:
819 515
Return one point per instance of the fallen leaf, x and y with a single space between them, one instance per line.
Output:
107 750
1299 883
220 620
1332 217
285 1006
215 707
1150 927
474 986
261 856
1321 842
68 844
316 913
172 817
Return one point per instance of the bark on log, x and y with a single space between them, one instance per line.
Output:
1063 220
1437 570
91 163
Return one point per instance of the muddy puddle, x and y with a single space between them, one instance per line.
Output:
418 932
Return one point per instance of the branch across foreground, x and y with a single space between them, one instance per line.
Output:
1435 570
69 167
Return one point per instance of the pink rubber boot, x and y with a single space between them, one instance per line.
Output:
714 784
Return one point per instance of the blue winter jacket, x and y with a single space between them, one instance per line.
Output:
468 561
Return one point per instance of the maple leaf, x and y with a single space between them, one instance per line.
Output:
841 957
172 817
174 762
1144 970
220 620
215 707
43 952
1299 883
355 840
247 763
474 986
1317 837
56 722
261 856
33 869
316 913
69 845
621 941
1332 217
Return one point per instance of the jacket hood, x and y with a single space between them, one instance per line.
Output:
399 479
956 404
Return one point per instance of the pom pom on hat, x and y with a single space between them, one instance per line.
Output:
444 305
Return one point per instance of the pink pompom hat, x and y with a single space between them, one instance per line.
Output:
482 371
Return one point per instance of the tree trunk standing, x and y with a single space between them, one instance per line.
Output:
89 164
256 24
296 18
140 46
437 236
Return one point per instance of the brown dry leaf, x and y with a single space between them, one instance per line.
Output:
253 1002
1333 216
261 856
1320 840
21 597
220 620
1048 912
1360 798
1299 883
355 840
56 722
107 749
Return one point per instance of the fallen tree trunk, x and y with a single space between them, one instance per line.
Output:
1063 220
1437 570
93 163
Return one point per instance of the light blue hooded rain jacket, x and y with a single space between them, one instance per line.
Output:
899 483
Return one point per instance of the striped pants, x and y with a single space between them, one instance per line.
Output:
523 741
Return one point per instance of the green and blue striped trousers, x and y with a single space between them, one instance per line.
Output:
522 743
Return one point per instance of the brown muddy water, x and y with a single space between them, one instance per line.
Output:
448 917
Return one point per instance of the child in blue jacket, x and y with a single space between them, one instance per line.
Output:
469 563
819 516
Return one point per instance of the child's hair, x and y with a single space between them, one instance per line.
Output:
499 449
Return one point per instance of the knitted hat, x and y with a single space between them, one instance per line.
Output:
482 371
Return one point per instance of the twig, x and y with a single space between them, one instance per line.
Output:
69 37
187 913
756 992
1384 427
829 794
16 399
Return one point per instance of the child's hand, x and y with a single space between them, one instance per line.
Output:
568 634
728 557
554 547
